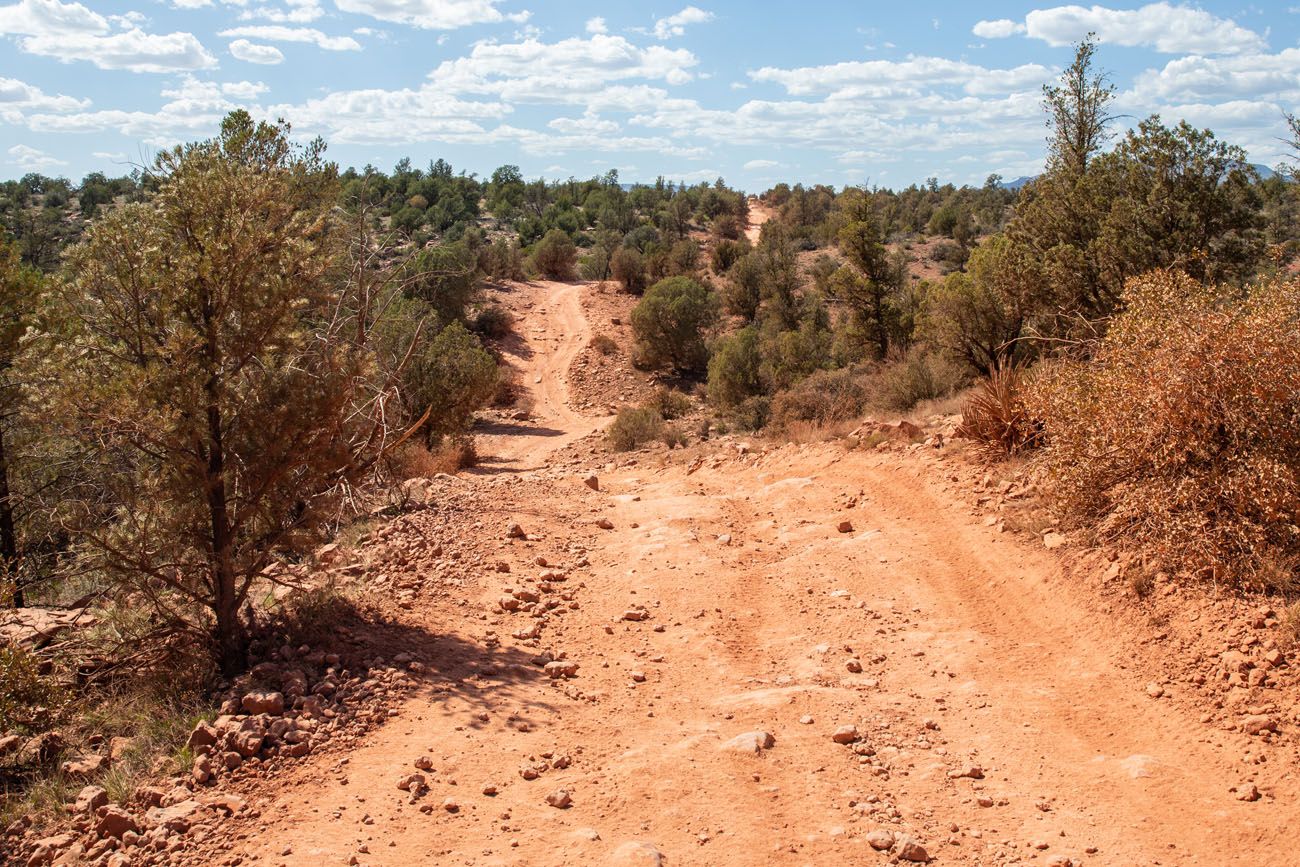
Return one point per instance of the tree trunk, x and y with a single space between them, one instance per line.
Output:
8 539
230 632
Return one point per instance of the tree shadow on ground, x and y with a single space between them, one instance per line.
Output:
482 673
511 429
514 345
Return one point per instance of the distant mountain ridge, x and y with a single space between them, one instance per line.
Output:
1262 170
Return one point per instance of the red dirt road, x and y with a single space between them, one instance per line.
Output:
974 653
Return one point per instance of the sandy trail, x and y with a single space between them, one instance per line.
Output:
554 332
758 215
975 652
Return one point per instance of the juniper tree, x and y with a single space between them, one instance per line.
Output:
208 360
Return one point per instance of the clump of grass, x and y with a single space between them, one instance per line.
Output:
674 437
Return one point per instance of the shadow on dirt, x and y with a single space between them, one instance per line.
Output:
482 674
511 429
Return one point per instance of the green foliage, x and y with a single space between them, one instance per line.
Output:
977 316
790 355
494 322
684 257
742 292
1165 197
29 701
671 322
447 371
594 265
918 376
628 268
445 278
222 402
555 255
734 369
24 460
670 403
633 427
501 260
726 253
1076 109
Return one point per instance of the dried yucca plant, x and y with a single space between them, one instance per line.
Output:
995 416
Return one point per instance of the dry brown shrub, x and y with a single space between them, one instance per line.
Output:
822 400
1182 434
604 344
995 416
453 454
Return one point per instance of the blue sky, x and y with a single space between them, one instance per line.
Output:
755 92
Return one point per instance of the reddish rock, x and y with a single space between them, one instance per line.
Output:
114 822
90 799
83 767
263 702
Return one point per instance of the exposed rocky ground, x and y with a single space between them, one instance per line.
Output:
871 650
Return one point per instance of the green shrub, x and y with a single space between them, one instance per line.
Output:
449 373
594 265
733 369
501 260
555 255
494 321
444 278
670 403
949 256
633 427
751 413
789 356
742 293
671 322
684 257
29 700
627 266
727 253
727 227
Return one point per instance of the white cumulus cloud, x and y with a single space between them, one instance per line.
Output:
597 25
569 70
251 52
280 33
433 14
1000 28
1163 26
20 96
49 18
675 25
32 160
133 50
